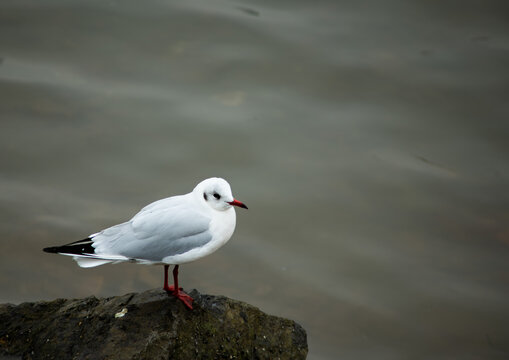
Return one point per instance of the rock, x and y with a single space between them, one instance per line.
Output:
148 325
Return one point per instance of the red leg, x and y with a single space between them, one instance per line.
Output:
178 293
166 287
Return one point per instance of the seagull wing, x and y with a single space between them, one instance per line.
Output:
165 228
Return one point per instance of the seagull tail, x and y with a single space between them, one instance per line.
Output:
87 262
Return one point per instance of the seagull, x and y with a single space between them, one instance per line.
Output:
170 231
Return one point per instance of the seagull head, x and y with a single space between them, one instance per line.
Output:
217 193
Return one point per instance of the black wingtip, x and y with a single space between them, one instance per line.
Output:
79 247
52 250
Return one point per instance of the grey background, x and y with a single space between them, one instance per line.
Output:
369 140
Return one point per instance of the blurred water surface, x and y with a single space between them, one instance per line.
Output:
369 139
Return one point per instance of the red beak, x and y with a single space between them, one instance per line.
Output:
237 203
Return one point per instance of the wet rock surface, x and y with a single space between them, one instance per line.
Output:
148 325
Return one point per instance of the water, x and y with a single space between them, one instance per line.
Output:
369 140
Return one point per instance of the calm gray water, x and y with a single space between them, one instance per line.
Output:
370 141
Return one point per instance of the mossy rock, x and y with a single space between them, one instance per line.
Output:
148 325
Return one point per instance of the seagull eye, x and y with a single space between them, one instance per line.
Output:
217 196
205 196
